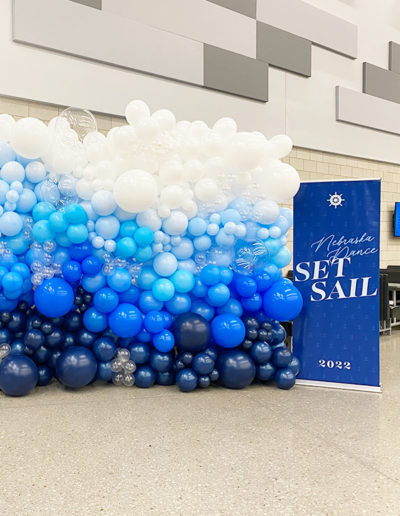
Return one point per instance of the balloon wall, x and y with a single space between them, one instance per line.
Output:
152 255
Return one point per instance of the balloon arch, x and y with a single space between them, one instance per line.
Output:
152 255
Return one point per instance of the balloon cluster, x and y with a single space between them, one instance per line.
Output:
142 256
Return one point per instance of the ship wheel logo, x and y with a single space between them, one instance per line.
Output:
335 200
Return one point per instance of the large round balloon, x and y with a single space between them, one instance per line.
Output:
54 297
228 330
18 375
282 301
236 369
135 190
126 320
192 332
76 367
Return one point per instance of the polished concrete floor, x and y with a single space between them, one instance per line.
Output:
126 451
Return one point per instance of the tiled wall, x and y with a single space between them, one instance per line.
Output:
310 164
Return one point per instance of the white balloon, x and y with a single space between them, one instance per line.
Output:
30 138
198 129
266 212
105 170
280 183
103 202
225 127
165 119
7 124
171 172
281 145
135 190
212 144
206 190
189 208
84 189
136 111
176 223
172 196
148 129
193 170
245 150
122 139
163 211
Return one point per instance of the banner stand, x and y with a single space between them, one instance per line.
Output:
336 269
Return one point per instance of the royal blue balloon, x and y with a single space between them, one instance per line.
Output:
265 372
227 330
233 306
80 251
253 303
236 369
94 283
161 362
72 271
106 300
199 289
154 322
179 304
244 285
140 352
282 301
204 309
210 275
144 336
218 295
130 296
125 320
203 364
18 375
285 378
54 297
94 320
91 266
104 349
76 367
164 341
145 377
148 303
186 380
168 319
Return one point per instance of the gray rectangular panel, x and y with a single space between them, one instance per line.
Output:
234 73
394 57
283 49
246 7
358 108
90 3
381 83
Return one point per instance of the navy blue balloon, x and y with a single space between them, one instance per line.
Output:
265 372
18 375
278 333
144 336
34 339
167 378
104 349
236 369
285 378
161 362
5 336
204 382
54 297
17 347
185 357
212 352
69 340
45 375
203 364
260 352
214 375
85 338
140 352
46 328
53 359
186 380
191 332
17 322
73 322
294 365
281 357
145 377
76 367
104 372
55 338
42 355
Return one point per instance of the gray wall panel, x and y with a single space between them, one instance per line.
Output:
246 7
283 49
381 83
358 108
394 57
233 73
90 3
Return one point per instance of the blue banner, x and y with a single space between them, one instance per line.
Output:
336 268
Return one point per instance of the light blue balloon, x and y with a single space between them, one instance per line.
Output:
163 289
202 243
126 247
230 215
93 283
282 258
143 254
77 233
6 153
150 219
187 265
47 191
42 211
12 171
35 171
183 281
58 222
146 278
224 240
42 231
184 249
272 245
4 188
165 264
122 214
10 223
103 202
26 201
19 244
87 206
197 226
107 227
